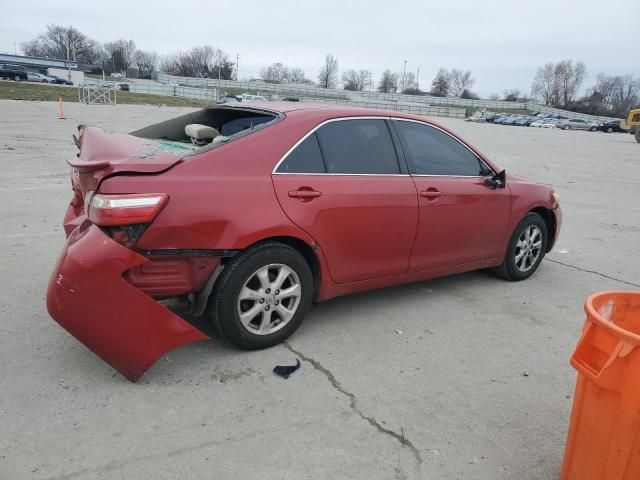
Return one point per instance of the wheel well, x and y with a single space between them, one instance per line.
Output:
550 221
305 250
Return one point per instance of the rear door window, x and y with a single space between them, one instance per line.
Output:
430 151
358 146
305 158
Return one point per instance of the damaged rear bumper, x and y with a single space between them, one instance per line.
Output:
89 298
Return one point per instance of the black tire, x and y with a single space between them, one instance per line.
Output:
566 127
223 303
609 130
638 134
17 78
509 270
592 129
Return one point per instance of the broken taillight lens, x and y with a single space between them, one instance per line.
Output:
111 210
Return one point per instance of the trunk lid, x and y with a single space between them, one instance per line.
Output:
104 153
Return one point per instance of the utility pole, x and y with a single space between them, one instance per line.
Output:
237 60
404 71
219 64
418 79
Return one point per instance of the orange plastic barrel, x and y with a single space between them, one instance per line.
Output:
604 432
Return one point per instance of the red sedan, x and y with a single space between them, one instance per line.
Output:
253 213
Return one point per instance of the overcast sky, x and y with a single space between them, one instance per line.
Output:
501 42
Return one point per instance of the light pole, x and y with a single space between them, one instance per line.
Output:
237 60
404 71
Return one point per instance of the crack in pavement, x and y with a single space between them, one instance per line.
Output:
594 272
400 437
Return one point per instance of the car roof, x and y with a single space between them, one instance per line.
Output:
317 110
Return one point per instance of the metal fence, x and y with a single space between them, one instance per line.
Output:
172 90
262 87
206 88
426 110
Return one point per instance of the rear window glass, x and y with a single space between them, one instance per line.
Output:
358 147
229 123
239 124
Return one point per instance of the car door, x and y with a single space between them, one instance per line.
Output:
343 184
578 124
461 219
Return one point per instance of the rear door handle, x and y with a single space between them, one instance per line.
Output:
304 194
431 193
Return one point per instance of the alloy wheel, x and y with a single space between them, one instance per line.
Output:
528 248
269 299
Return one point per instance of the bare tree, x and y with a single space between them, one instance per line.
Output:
441 83
275 73
66 43
223 66
459 81
296 75
121 54
559 83
388 82
410 83
328 76
545 84
494 96
570 77
511 95
146 61
356 80
469 95
618 94
169 64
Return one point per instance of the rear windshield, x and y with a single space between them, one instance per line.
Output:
229 124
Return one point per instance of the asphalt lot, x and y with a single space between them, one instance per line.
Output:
476 386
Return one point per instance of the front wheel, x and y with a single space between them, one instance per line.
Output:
526 249
262 296
609 130
17 78
566 127
638 134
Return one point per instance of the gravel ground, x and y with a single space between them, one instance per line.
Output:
476 386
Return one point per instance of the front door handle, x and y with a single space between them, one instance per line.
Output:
304 194
431 193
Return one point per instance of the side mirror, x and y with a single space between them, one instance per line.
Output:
499 180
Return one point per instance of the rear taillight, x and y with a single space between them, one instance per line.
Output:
112 210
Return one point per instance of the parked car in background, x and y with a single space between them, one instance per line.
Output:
123 86
577 124
543 123
284 204
12 72
511 120
612 126
246 97
60 81
38 77
491 116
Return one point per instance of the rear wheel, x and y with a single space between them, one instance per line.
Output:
566 127
17 78
526 249
262 296
609 130
638 134
592 129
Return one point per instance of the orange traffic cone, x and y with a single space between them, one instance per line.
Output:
61 110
